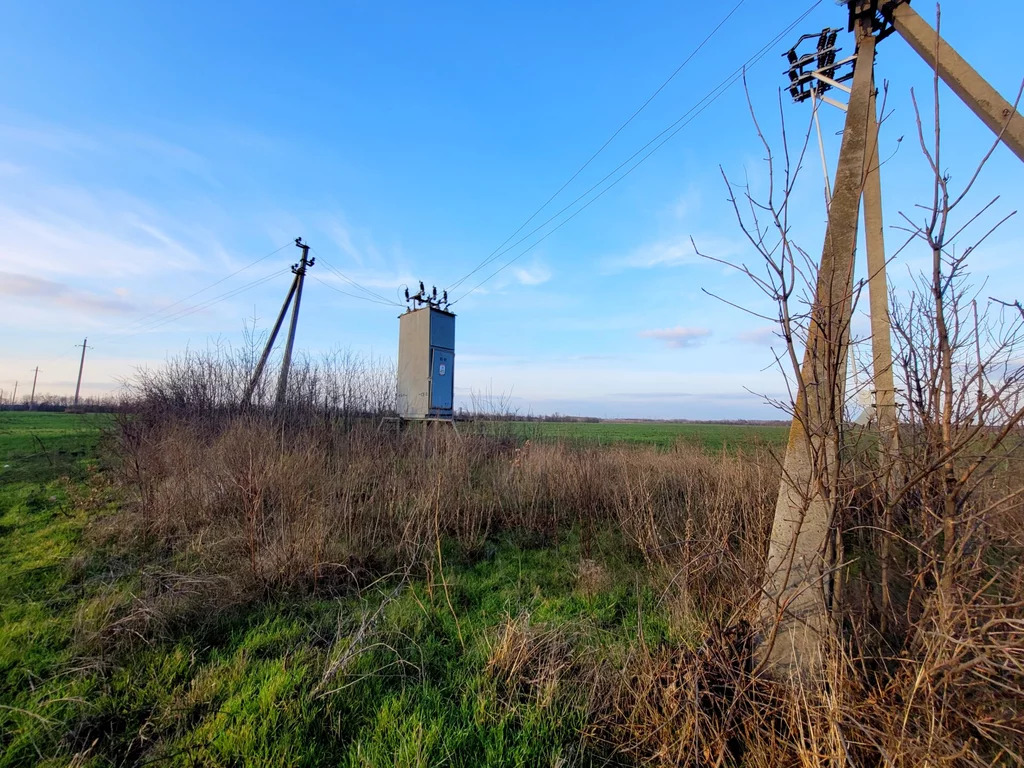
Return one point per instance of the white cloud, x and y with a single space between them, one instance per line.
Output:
762 336
677 251
662 253
67 231
535 274
53 138
678 337
28 287
356 244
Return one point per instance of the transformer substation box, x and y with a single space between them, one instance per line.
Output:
426 363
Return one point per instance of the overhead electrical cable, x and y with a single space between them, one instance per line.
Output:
250 265
160 322
373 295
671 131
355 295
60 355
497 252
216 299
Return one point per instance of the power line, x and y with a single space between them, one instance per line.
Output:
370 293
162 310
354 295
59 355
673 129
497 252
215 300
160 322
376 296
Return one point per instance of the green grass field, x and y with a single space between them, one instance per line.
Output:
249 686
711 437
39 446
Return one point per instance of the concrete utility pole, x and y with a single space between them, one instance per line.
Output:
814 83
247 397
32 399
798 578
300 275
295 291
801 553
984 100
81 365
878 292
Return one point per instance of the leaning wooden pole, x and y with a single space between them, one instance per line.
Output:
797 596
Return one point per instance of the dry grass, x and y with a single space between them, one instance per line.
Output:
271 507
250 505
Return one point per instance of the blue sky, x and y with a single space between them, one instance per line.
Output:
148 150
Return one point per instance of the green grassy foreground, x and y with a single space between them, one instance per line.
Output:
390 677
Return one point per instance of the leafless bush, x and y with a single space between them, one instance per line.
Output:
213 382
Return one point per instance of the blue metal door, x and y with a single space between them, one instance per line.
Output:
441 379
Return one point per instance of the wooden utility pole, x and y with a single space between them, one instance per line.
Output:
799 572
300 275
295 291
32 399
81 366
992 109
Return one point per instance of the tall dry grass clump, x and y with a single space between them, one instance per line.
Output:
275 505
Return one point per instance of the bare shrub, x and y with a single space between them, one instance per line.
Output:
337 385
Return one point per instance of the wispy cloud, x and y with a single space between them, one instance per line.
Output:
356 244
678 337
53 138
385 283
661 253
68 231
761 337
62 295
676 251
534 274
688 203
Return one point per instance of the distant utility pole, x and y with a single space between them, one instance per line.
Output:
295 291
32 399
14 397
81 366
